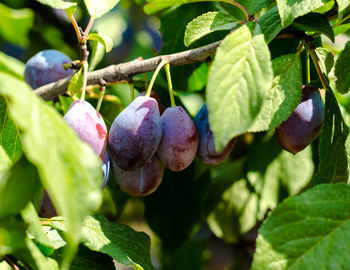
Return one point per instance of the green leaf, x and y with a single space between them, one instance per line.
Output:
342 70
69 169
307 231
119 241
198 78
15 25
340 29
97 54
59 4
246 201
252 6
238 80
326 60
87 259
10 137
97 8
342 4
334 145
11 65
316 23
5 162
30 216
106 41
270 24
12 235
76 83
206 24
20 186
285 94
42 262
291 9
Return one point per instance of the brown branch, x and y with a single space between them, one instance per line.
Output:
125 71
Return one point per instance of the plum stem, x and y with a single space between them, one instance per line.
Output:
88 27
170 85
85 72
145 80
100 97
308 72
318 68
155 74
132 91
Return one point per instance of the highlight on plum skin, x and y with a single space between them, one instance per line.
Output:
46 67
304 124
106 168
88 125
206 148
140 182
135 134
179 142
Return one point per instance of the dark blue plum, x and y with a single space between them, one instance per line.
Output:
206 147
179 142
46 67
88 125
140 182
106 167
135 134
304 124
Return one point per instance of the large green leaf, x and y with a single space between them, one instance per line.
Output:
11 65
59 4
270 24
342 4
15 25
238 80
268 171
206 24
10 138
308 232
98 8
30 216
119 241
334 145
285 94
18 188
41 262
291 9
342 70
68 168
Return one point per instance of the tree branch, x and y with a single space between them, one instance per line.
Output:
125 71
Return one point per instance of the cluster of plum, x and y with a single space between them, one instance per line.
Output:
142 140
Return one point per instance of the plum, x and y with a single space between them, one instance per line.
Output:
106 167
135 134
46 208
154 95
88 125
304 124
179 142
140 182
206 147
46 67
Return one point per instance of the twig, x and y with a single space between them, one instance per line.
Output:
125 71
11 263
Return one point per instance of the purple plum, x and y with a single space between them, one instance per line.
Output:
140 182
88 125
135 134
304 124
206 147
179 142
46 67
46 208
106 167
